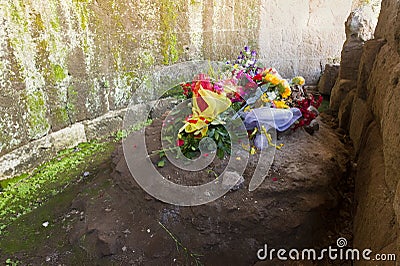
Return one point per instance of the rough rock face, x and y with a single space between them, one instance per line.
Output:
372 118
360 27
328 79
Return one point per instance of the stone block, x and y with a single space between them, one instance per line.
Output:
68 137
26 157
339 92
361 117
105 125
350 59
373 223
328 79
345 110
361 23
370 51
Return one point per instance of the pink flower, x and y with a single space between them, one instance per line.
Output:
180 142
274 179
218 89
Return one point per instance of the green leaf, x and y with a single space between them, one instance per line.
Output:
161 163
216 135
211 133
220 154
220 144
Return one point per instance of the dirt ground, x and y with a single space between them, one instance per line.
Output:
109 220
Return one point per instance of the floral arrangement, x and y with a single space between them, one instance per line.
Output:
247 86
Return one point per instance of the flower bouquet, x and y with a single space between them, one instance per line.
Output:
257 94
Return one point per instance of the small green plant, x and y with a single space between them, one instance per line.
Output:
187 253
161 162
123 133
10 262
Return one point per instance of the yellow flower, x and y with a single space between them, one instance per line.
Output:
272 79
280 104
195 125
264 98
207 105
299 80
286 89
247 109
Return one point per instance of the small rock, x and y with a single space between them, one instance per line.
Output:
127 231
148 197
328 79
312 127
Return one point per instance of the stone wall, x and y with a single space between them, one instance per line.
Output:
63 62
299 37
372 119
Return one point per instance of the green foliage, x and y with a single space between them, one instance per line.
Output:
122 134
221 138
37 108
161 163
24 193
324 106
10 262
59 73
217 133
175 92
169 50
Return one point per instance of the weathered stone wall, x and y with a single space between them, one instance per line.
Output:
372 118
299 37
63 62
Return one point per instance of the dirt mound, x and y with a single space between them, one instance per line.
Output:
296 206
112 220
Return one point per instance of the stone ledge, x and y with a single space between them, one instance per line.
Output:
31 155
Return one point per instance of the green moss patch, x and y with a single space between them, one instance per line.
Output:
24 193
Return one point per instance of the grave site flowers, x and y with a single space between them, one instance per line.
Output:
259 95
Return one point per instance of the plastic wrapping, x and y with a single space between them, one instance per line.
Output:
280 119
266 117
